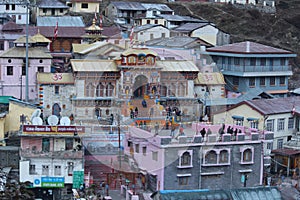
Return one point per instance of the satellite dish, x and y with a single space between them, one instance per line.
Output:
65 121
37 121
52 120
35 113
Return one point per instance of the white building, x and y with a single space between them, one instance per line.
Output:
16 9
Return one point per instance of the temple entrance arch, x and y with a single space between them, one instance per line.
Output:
140 86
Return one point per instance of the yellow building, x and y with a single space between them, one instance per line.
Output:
84 6
17 108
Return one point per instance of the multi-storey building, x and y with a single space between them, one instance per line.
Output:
16 9
51 159
13 66
248 65
194 161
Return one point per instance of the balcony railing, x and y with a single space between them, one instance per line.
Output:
256 68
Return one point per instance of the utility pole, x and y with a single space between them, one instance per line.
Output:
26 67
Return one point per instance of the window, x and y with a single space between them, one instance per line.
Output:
247 155
84 5
272 81
45 170
282 80
252 61
235 81
151 36
148 21
89 90
156 21
137 148
56 89
69 143
154 155
109 90
262 81
271 62
254 124
263 61
98 112
46 145
32 169
13 7
19 17
11 44
223 157
251 82
229 60
44 10
163 35
291 123
1 45
185 159
57 170
282 61
236 61
9 71
23 70
7 7
211 157
144 150
61 10
270 145
279 143
280 124
100 90
70 168
270 125
183 180
41 69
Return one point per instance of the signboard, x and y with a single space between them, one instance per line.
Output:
53 182
78 179
36 129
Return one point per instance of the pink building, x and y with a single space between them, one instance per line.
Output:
13 66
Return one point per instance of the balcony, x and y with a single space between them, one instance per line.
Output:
67 154
255 68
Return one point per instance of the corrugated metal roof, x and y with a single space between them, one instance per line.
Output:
177 65
214 78
63 32
51 4
63 21
145 27
255 193
51 78
12 26
276 105
94 66
177 42
248 47
179 18
157 6
191 26
128 5
20 52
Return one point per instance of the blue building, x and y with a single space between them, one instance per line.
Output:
249 65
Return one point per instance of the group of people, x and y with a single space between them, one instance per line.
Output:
134 114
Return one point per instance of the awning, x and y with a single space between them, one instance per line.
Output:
252 119
237 117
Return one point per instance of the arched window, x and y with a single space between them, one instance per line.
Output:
211 157
223 157
109 90
100 90
247 155
186 159
89 90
